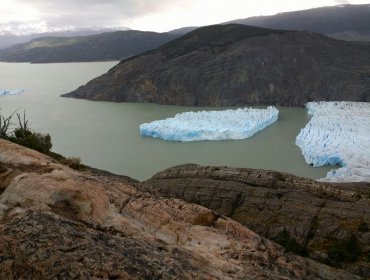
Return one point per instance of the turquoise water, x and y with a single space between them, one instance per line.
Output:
106 135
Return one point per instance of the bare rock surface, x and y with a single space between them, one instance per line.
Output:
57 223
324 221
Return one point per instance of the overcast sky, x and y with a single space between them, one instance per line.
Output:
155 15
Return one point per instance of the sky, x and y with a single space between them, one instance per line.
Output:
153 15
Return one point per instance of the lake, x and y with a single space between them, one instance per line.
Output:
106 135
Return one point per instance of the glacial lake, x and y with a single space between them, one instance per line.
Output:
106 135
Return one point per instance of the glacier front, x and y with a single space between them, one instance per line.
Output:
4 92
211 125
338 134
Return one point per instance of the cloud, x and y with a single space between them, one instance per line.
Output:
158 15
97 12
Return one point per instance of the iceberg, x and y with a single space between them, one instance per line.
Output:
211 125
338 134
4 92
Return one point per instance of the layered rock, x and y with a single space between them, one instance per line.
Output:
60 223
324 221
226 65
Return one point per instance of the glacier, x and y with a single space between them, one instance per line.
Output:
4 92
211 125
338 134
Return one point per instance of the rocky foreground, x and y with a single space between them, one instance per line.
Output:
323 221
58 223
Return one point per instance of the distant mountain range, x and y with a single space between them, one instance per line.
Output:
346 22
183 30
234 64
101 47
11 38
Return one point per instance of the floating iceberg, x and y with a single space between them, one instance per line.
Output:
4 92
338 133
211 125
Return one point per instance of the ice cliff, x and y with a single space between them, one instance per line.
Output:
211 125
338 134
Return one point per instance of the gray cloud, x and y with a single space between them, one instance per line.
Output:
97 12
342 2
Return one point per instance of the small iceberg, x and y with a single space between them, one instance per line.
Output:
211 125
4 92
338 133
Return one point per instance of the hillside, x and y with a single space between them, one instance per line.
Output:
226 65
100 47
346 22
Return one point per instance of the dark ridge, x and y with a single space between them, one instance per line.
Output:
208 37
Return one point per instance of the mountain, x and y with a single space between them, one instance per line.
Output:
105 46
14 37
183 30
346 22
224 65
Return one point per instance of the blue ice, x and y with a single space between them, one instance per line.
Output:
338 134
211 125
4 92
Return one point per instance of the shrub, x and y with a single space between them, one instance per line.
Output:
73 162
5 125
36 141
22 135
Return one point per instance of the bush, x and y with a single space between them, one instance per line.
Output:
19 133
22 135
73 162
36 141
5 123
